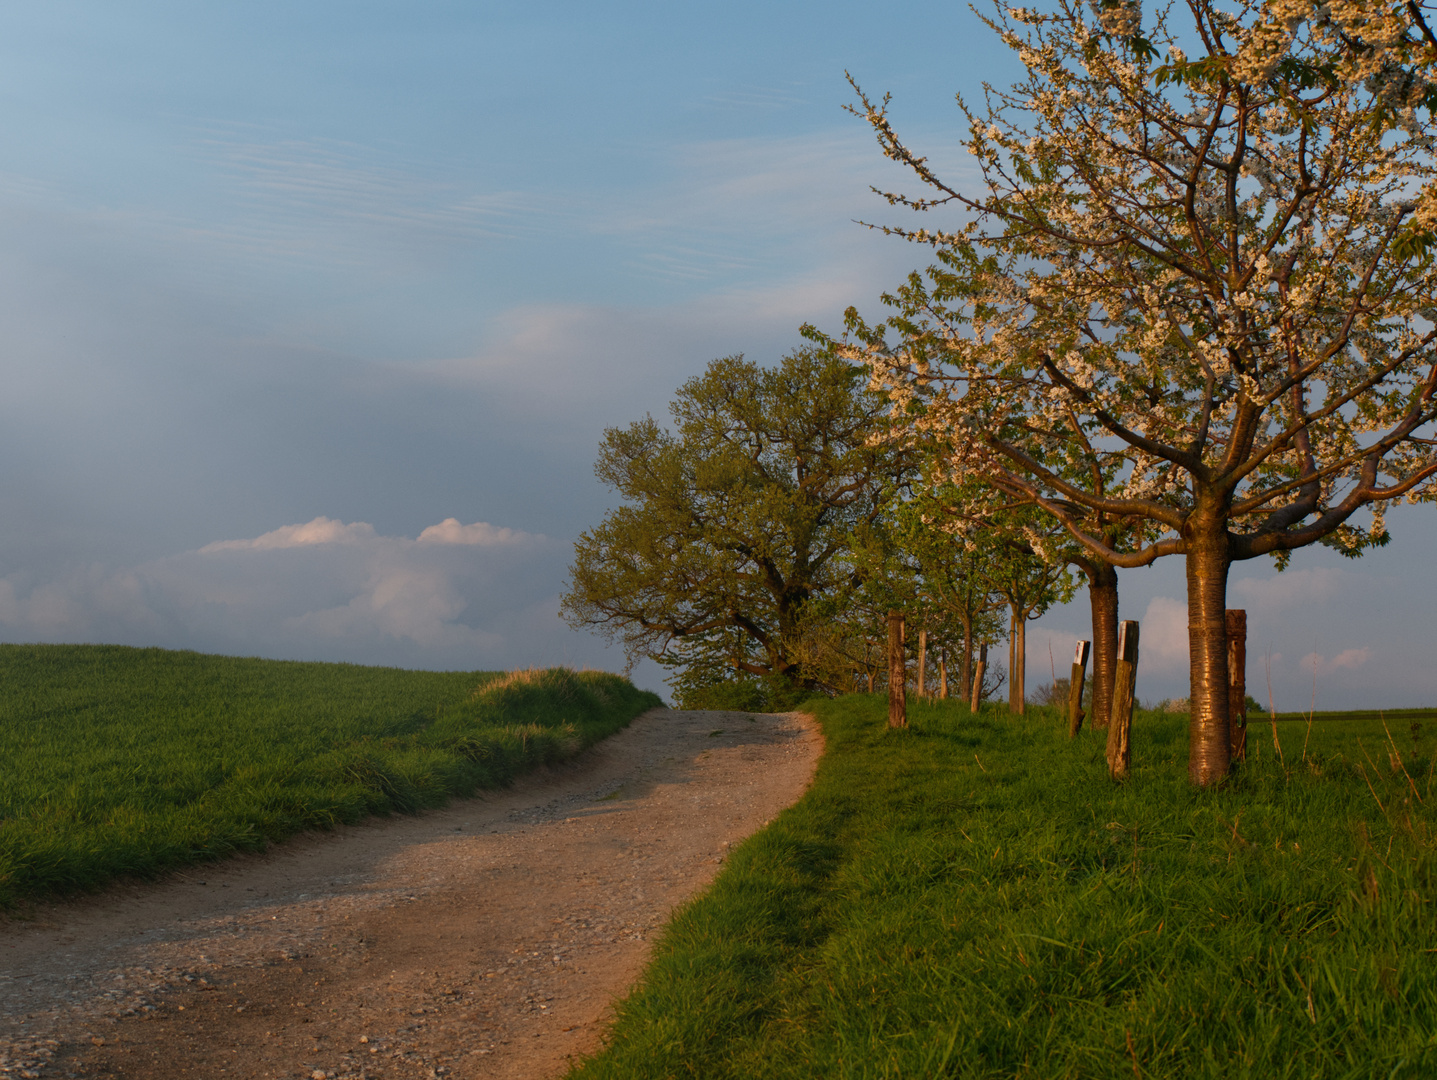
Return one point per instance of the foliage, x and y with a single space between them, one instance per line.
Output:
845 642
696 687
974 898
1029 584
737 695
1055 694
132 761
737 521
957 564
1191 292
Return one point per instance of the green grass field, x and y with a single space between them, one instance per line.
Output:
117 761
1395 717
974 898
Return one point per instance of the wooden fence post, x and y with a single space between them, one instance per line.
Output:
1237 682
897 672
1120 751
922 663
1075 688
979 670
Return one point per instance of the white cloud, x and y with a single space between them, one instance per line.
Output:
459 596
1288 589
1351 658
1163 640
321 530
1050 655
449 531
1348 659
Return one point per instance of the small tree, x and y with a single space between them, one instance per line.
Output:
1218 267
738 520
845 640
1029 584
944 570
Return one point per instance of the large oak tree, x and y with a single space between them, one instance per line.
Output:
735 521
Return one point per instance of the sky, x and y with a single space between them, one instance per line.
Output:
315 313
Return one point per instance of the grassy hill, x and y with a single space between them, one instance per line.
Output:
119 761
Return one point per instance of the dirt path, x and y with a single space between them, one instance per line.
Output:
485 940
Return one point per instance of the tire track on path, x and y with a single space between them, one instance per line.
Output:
487 939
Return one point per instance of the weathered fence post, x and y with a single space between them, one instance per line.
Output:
1075 688
1120 751
897 672
923 663
978 672
1237 682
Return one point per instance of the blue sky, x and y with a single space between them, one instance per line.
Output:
370 267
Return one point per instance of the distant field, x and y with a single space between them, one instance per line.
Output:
974 898
1392 716
1359 735
121 761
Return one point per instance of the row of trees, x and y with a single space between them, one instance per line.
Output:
1189 308
763 537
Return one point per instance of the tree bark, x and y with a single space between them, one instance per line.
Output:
1075 688
897 672
1237 682
1020 663
1103 599
1120 727
1012 655
1208 561
922 681
1017 657
965 677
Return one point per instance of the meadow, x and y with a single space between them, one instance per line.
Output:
118 761
973 897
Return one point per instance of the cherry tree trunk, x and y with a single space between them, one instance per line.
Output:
1103 598
1209 749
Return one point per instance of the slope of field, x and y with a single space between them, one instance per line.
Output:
973 897
129 761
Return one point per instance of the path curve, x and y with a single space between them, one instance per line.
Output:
487 939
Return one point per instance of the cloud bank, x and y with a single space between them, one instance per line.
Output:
1347 659
458 596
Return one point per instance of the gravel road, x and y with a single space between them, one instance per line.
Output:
488 939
